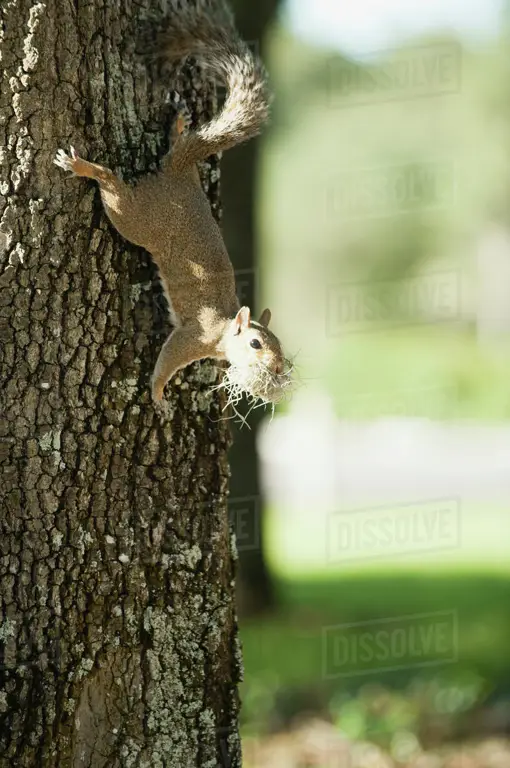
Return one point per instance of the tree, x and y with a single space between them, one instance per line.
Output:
118 635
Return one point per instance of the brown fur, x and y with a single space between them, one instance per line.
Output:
169 215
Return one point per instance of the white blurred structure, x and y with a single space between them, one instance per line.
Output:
402 490
310 455
300 452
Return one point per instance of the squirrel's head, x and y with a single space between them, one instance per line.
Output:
257 362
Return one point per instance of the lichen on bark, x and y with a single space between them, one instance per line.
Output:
117 627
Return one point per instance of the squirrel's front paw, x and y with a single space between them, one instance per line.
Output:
65 161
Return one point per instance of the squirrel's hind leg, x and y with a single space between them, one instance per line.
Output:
179 350
178 137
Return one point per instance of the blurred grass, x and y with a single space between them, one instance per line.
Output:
284 653
291 642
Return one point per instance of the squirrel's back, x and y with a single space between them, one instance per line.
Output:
246 108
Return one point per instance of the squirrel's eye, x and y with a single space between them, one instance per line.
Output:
255 343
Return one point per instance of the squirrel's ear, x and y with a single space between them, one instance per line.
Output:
265 317
243 318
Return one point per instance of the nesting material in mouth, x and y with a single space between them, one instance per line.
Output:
258 383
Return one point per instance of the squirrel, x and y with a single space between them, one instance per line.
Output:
169 215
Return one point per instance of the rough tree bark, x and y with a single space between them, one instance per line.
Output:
118 635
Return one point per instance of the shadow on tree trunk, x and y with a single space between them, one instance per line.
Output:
239 177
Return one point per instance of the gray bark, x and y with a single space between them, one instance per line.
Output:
118 640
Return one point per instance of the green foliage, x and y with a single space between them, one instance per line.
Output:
376 192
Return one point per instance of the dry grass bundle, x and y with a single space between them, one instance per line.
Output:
258 384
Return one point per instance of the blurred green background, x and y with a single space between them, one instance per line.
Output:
374 217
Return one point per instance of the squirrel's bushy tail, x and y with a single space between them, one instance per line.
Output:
246 106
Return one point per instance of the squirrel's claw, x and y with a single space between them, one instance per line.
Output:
62 160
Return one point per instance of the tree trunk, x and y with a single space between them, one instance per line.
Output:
118 636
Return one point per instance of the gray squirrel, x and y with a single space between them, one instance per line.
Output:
169 215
